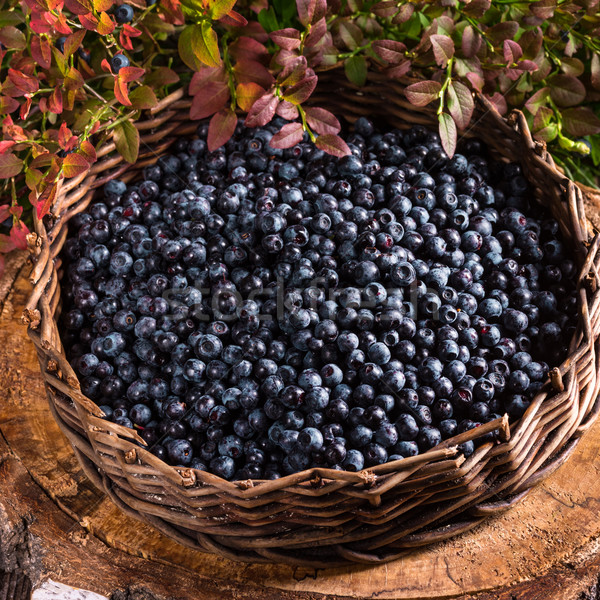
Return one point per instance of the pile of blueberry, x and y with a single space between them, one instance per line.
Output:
254 312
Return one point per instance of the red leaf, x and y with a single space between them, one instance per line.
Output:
233 19
332 144
460 103
24 83
306 11
566 90
105 66
447 130
15 211
105 25
128 74
18 234
262 111
247 94
212 98
60 24
289 38
55 104
125 41
6 245
66 140
41 51
512 51
286 110
46 200
74 164
4 212
73 42
471 42
289 135
443 48
4 146
88 151
204 75
389 50
131 31
301 92
220 129
10 165
475 80
25 108
423 92
248 48
121 93
78 7
322 121
88 21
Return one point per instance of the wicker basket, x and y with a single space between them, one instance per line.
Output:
323 517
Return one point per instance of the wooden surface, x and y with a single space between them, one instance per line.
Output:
55 524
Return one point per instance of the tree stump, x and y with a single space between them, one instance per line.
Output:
55 524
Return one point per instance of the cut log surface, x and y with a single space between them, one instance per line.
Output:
54 525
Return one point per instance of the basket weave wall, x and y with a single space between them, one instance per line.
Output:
323 517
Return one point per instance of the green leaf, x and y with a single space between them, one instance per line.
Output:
460 104
127 141
143 97
580 121
206 46
443 49
423 92
11 18
355 68
10 165
186 51
219 8
538 100
595 142
268 19
447 130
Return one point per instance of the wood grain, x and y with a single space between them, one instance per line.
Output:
542 548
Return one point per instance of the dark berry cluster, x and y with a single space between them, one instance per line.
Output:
254 312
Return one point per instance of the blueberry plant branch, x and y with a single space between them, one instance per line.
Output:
74 74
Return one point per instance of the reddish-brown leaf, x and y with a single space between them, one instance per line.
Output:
41 51
4 212
404 14
595 72
476 8
580 121
332 144
498 102
399 71
204 75
247 94
212 98
220 129
389 50
470 42
289 135
46 200
502 31
317 33
293 71
288 38
460 103
537 100
88 21
24 83
247 48
12 38
385 8
129 74
306 11
512 51
301 92
252 70
73 42
73 79
443 48
55 101
348 34
10 165
6 245
25 108
423 92
322 121
121 92
88 151
78 7
262 111
566 90
544 9
233 19
286 110
447 131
